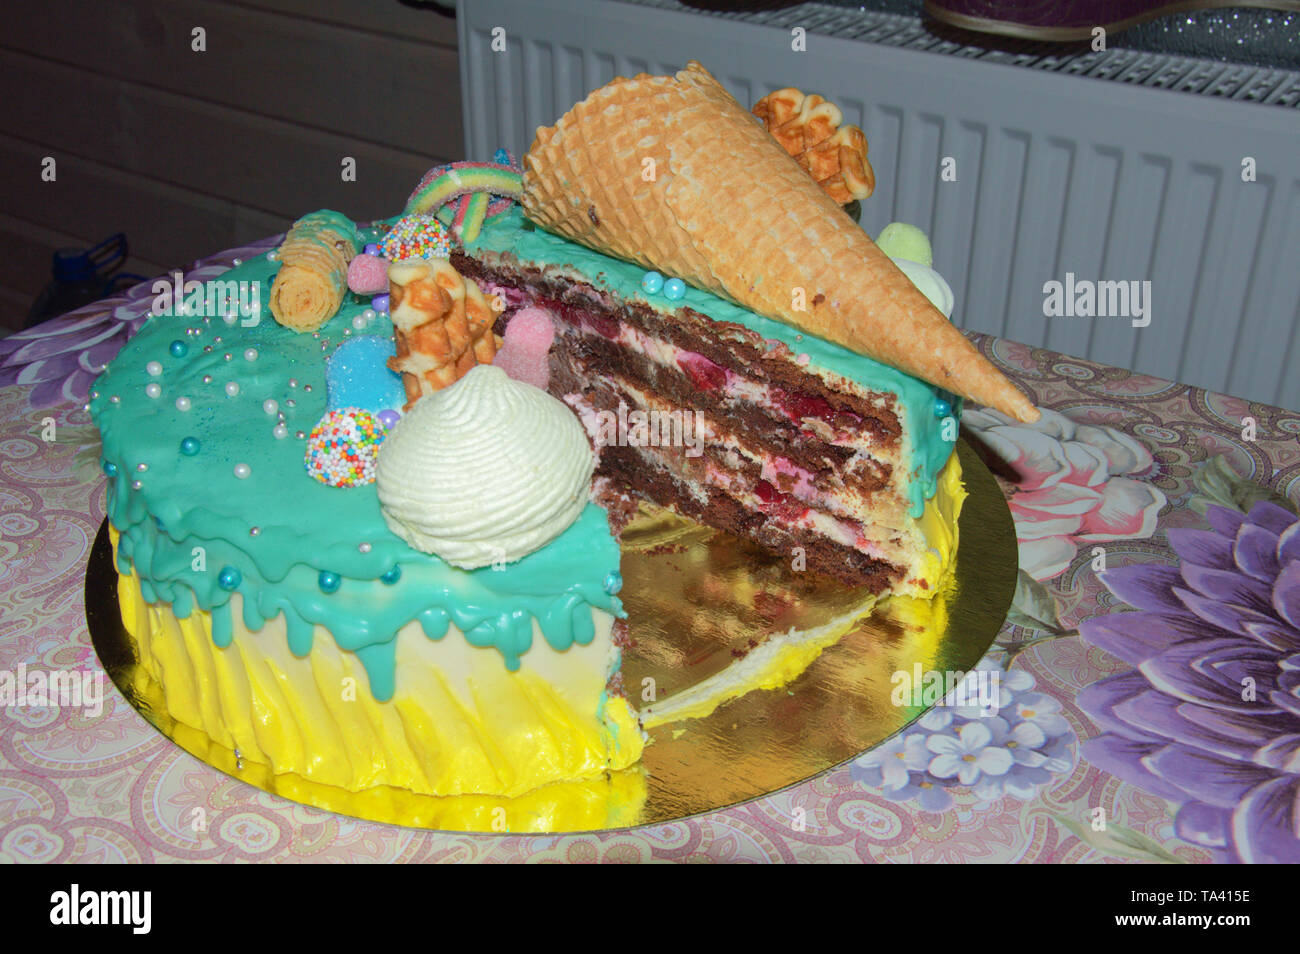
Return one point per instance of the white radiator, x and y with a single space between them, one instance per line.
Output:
1116 166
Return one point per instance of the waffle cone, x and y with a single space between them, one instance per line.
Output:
672 173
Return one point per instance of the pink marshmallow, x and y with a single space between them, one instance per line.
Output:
368 275
528 340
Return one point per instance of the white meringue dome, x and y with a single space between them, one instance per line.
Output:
486 470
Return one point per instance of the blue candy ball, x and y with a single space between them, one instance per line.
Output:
613 582
190 446
653 283
178 348
371 249
942 408
229 578
110 469
380 303
357 375
393 575
674 289
329 582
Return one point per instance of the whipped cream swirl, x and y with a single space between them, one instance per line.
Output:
484 471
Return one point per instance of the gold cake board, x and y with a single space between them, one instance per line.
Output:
698 600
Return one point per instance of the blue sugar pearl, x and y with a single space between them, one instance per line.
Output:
379 303
229 578
393 575
178 348
674 289
110 469
613 582
372 249
653 283
190 446
329 582
942 408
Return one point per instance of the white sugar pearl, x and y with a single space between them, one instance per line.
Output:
270 406
242 471
237 262
272 255
250 354
182 404
280 432
114 399
358 322
293 382
94 395
154 368
153 390
142 467
363 547
232 388
136 484
368 314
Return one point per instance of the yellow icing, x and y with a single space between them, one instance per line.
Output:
455 725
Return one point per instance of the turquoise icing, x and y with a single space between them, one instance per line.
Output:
191 516
915 398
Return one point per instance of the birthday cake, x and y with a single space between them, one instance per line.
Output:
367 534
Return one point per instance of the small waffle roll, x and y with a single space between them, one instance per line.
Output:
313 277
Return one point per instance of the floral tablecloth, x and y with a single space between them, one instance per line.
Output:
1150 699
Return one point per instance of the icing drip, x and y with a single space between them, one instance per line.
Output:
207 511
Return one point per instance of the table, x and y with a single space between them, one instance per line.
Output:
1150 665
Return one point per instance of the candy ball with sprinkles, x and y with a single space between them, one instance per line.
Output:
342 449
417 236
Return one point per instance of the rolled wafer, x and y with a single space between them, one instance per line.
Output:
726 209
442 325
313 277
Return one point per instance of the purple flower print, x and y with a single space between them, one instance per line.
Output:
1209 717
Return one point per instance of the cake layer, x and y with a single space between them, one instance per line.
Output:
803 462
770 351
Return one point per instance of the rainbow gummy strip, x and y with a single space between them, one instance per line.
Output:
442 184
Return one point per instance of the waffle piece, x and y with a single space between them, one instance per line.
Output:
442 326
809 128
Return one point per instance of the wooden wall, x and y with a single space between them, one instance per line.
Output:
193 152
